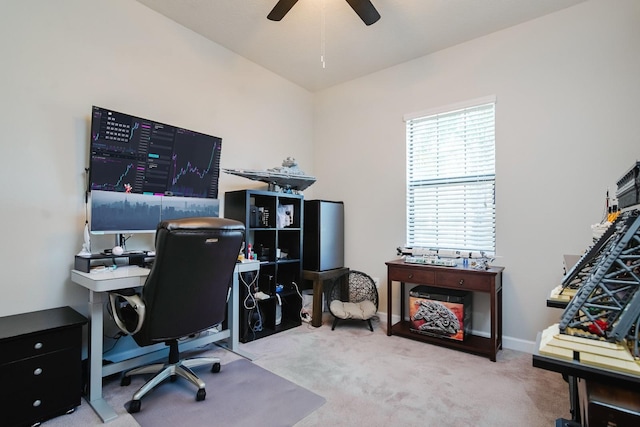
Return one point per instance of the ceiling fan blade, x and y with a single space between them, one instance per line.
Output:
280 9
365 10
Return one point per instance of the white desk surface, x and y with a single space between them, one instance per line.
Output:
130 276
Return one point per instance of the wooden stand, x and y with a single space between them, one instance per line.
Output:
318 278
458 278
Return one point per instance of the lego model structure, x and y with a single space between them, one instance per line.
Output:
601 322
288 178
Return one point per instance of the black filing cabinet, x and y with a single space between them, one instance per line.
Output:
40 365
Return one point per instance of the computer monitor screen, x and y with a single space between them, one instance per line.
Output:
142 172
128 213
135 155
113 212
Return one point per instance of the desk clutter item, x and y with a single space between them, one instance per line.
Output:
85 263
430 261
40 365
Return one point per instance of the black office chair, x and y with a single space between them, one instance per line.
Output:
185 293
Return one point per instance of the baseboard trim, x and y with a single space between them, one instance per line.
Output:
510 343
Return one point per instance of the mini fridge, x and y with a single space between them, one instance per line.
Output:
323 237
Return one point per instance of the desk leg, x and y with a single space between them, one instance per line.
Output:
233 322
494 324
574 399
389 290
232 312
97 402
316 318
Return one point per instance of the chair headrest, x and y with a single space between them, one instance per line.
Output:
201 223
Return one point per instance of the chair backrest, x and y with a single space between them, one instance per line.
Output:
187 287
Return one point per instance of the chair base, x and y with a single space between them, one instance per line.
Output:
163 371
337 319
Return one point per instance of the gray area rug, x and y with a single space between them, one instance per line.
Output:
241 394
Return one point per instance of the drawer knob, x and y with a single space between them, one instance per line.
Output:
37 371
38 346
410 275
461 282
37 403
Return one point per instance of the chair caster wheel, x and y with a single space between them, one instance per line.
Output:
215 368
201 395
125 381
134 406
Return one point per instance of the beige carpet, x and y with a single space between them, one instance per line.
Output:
396 381
370 379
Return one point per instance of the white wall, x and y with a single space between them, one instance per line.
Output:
567 125
61 57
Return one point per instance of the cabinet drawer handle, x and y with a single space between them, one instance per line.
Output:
410 275
37 371
37 403
38 346
461 282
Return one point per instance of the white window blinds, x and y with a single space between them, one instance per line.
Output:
451 177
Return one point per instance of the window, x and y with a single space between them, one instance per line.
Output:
451 177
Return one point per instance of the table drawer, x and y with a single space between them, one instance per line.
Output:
27 407
464 281
412 275
38 344
57 368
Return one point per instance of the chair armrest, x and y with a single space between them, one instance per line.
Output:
132 313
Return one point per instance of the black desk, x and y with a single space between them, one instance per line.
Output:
573 369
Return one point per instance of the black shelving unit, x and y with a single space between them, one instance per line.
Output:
278 246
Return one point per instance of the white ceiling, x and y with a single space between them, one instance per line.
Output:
293 47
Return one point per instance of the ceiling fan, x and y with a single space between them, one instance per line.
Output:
365 10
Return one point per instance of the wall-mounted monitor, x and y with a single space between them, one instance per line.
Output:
142 171
135 155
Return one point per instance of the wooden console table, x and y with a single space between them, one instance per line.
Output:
455 278
318 278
